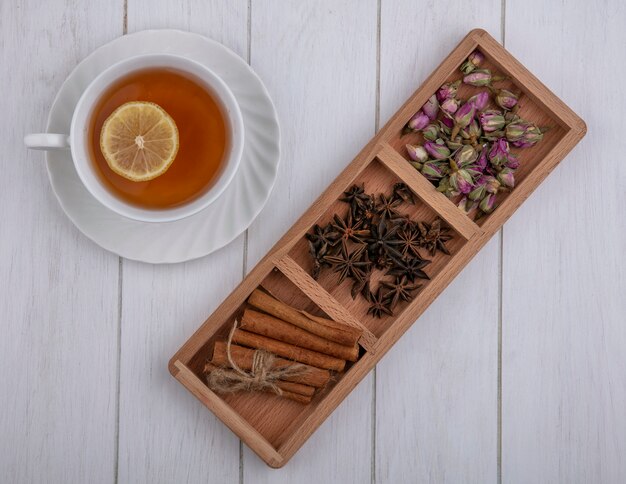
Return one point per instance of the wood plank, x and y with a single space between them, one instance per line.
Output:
164 435
436 389
319 65
59 303
563 341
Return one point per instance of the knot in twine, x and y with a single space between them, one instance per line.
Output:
261 377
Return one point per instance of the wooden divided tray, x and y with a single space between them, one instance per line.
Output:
274 427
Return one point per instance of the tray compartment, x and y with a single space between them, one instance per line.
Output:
273 419
377 178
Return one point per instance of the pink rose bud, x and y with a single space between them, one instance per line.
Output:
463 117
506 99
447 123
480 190
531 137
450 106
437 151
480 100
461 181
418 121
447 91
474 60
473 130
417 153
499 153
431 108
488 203
516 129
431 132
478 78
432 170
466 155
492 185
507 178
491 120
513 162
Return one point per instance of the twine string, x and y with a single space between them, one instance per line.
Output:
261 377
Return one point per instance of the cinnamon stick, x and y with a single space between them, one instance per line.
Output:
299 388
293 391
296 397
332 330
275 328
242 357
288 351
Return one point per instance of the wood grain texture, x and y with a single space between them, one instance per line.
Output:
319 66
564 366
436 391
58 308
164 435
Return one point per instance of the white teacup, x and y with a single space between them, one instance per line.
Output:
78 138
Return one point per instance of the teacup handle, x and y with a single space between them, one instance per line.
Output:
47 141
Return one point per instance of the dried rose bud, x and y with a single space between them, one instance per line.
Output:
446 123
499 153
450 106
463 117
431 108
492 185
478 78
474 60
466 155
481 163
436 150
531 137
488 203
431 132
513 162
433 170
447 91
418 121
417 153
491 120
461 181
473 130
453 145
516 129
480 189
506 99
506 177
479 100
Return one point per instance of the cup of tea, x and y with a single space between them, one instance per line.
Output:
203 121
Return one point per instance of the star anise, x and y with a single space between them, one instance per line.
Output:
402 192
318 260
349 230
383 242
386 207
409 242
323 237
356 197
433 237
411 268
366 212
379 304
400 289
363 285
349 264
405 223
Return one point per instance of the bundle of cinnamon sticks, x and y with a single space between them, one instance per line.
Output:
313 345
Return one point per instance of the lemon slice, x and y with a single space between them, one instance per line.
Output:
139 141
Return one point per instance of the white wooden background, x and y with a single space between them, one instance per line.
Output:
516 374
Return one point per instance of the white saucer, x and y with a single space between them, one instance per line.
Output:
226 217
